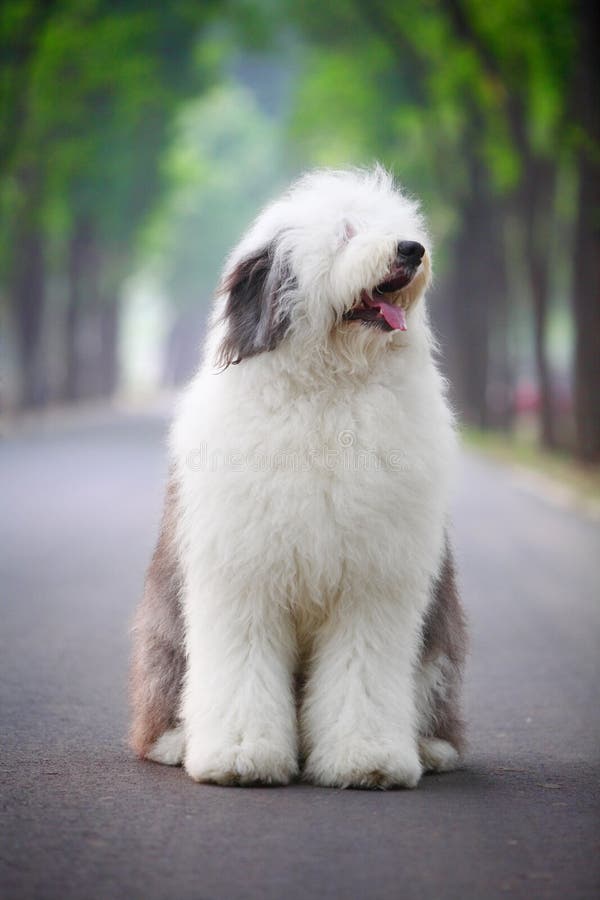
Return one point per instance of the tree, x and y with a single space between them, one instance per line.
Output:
21 29
524 49
586 288
93 96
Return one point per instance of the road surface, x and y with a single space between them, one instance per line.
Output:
79 506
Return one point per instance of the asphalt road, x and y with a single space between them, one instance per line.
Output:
80 818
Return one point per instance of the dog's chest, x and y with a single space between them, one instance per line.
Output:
353 471
302 492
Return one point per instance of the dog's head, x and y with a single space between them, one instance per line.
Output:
340 256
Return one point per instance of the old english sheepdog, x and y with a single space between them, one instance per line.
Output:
300 614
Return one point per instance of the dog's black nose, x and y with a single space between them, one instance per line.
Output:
410 251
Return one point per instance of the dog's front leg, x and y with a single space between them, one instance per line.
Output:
358 715
238 704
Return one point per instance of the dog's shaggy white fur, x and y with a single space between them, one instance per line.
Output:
303 561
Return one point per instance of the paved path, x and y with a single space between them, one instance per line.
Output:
81 819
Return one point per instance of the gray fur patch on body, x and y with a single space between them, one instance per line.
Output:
443 655
158 657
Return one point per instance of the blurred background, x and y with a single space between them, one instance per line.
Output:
138 140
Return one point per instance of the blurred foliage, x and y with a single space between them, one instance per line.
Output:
224 163
88 92
97 85
146 135
404 80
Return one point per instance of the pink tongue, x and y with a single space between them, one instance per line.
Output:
393 315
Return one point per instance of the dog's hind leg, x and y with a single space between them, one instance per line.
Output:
158 660
439 674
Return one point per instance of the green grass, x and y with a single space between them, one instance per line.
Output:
582 481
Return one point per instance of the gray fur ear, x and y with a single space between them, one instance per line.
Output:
255 321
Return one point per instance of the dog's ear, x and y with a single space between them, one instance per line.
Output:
255 320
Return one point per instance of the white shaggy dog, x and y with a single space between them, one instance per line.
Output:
300 611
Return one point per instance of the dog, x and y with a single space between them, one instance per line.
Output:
301 614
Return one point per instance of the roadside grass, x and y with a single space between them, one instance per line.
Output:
557 469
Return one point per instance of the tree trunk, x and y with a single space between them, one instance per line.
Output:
83 320
586 287
537 201
476 297
467 316
27 289
108 362
501 387
77 265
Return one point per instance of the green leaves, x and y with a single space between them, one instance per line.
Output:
224 163
95 88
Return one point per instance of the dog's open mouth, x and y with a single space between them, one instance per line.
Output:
374 309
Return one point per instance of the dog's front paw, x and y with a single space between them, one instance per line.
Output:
365 766
247 762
